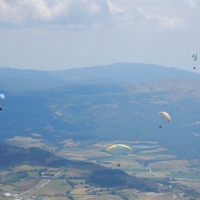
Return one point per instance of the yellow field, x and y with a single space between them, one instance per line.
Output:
78 191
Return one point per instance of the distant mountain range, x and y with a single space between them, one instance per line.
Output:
125 104
20 80
125 72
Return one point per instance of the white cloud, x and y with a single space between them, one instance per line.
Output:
113 8
172 24
52 11
166 23
191 2
163 23
94 7
139 15
39 10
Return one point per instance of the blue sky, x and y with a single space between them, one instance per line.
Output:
64 34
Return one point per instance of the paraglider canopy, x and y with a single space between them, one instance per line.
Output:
166 115
2 96
119 145
194 55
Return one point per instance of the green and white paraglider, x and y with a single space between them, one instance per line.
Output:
194 56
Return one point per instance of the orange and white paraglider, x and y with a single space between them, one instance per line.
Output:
166 115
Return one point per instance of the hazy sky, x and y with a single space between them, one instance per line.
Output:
63 34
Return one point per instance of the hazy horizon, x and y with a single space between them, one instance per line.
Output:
65 34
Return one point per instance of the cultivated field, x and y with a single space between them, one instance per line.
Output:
148 160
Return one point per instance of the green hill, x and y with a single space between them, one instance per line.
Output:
12 156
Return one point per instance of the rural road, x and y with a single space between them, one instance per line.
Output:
35 188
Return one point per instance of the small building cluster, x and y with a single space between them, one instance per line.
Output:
16 197
47 175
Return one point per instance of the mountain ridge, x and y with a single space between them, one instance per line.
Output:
21 80
125 72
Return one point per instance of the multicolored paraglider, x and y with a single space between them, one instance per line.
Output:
194 56
119 145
